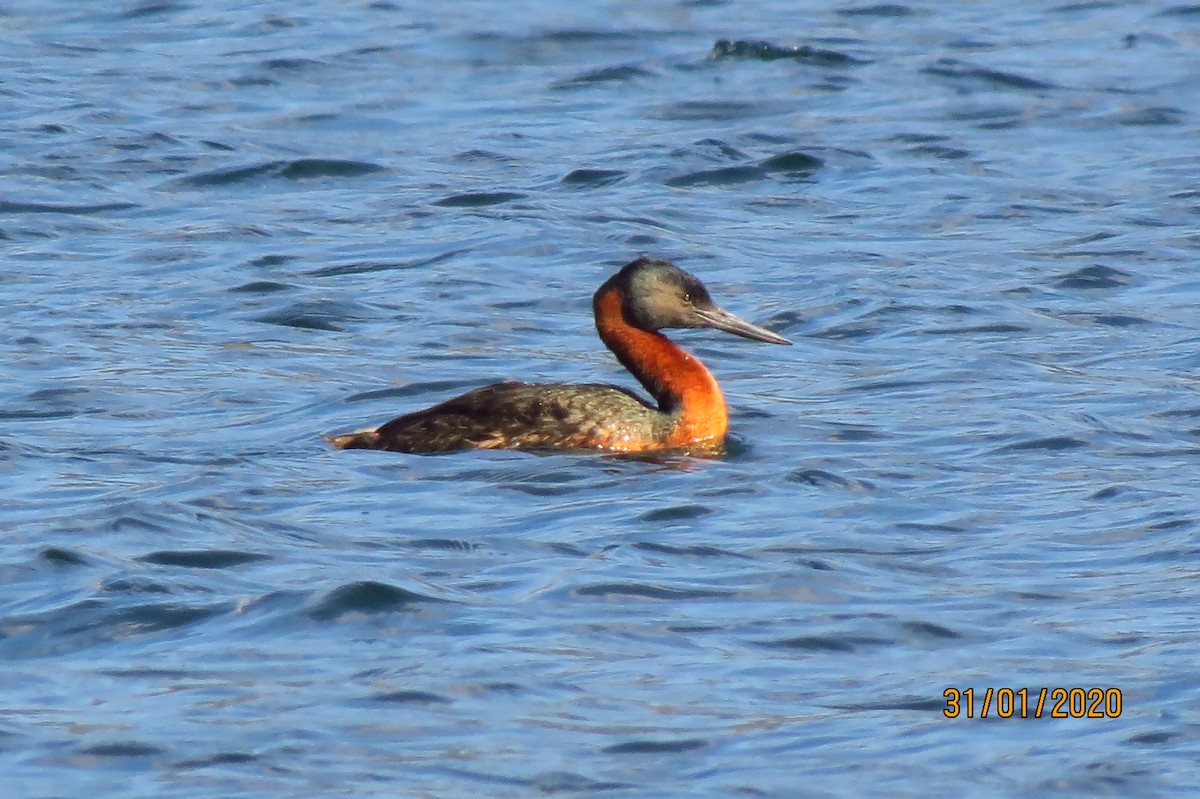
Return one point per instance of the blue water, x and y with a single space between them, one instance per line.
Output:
230 228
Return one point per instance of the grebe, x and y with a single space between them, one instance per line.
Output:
630 308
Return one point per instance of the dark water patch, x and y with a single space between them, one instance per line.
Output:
967 74
1153 738
926 629
1179 413
310 168
857 433
646 591
847 331
410 698
412 390
58 556
1097 276
93 621
10 207
625 74
793 163
592 178
747 50
219 759
939 151
1108 493
560 782
478 199
916 704
147 141
823 479
825 643
299 169
325 315
1107 320
367 267
719 110
122 749
50 403
880 10
149 673
999 328
30 413
1153 116
1180 11
712 150
587 36
441 545
478 156
270 261
675 513
228 176
646 747
697 550
367 597
1051 444
927 527
291 64
261 287
724 176
890 386
203 559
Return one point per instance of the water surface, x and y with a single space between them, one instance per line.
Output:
231 228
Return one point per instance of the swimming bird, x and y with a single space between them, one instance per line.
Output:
631 307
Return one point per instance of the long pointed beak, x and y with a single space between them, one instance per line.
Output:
723 320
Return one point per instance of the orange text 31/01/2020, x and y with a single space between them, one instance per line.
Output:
1025 703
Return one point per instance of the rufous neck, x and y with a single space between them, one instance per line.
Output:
679 382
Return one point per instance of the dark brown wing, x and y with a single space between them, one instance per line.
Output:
517 416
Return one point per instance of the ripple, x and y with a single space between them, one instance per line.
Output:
765 51
324 315
10 207
478 199
723 176
624 74
261 287
368 267
410 698
696 550
122 749
203 559
1051 444
719 110
297 170
310 168
592 178
219 759
793 163
823 479
367 597
555 782
826 643
58 556
645 591
968 74
879 10
1094 277
93 621
676 513
647 747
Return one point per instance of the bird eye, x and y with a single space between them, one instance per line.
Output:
687 296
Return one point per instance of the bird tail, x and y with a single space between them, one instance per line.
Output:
363 439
